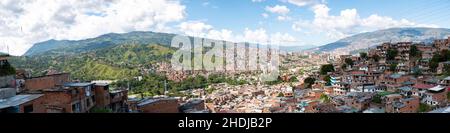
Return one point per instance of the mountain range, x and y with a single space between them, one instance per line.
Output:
371 39
348 44
101 42
114 39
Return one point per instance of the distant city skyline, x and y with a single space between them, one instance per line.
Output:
292 22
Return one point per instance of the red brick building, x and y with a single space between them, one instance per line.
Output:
12 103
72 98
396 103
160 105
46 82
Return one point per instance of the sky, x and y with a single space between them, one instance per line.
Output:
287 22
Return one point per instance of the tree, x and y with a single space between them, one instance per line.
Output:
324 69
349 62
434 62
414 52
7 69
442 56
327 79
280 94
363 55
377 99
376 58
424 108
210 90
445 55
293 79
391 54
448 95
344 66
325 99
393 67
309 82
417 72
446 70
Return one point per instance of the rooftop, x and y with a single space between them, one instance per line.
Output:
77 84
393 95
423 86
447 78
17 100
153 100
405 88
437 88
395 75
49 75
374 110
408 83
442 110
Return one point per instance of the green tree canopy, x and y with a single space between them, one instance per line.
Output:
324 69
376 58
309 82
363 55
327 79
414 52
349 62
424 108
393 67
391 54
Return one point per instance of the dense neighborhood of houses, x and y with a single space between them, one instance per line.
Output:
57 93
402 77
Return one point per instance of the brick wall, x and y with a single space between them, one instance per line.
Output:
161 106
46 82
102 98
59 101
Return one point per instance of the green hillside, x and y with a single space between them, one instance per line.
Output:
118 62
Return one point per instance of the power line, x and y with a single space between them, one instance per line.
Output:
425 15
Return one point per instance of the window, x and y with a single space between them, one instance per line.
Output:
28 109
76 107
93 98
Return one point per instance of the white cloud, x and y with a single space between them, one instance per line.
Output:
258 0
259 35
25 22
205 3
348 22
283 18
283 38
282 10
302 2
265 15
194 28
223 34
255 36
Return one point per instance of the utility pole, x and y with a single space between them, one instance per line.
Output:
165 88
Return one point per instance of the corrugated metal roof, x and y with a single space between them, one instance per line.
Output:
77 84
18 100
